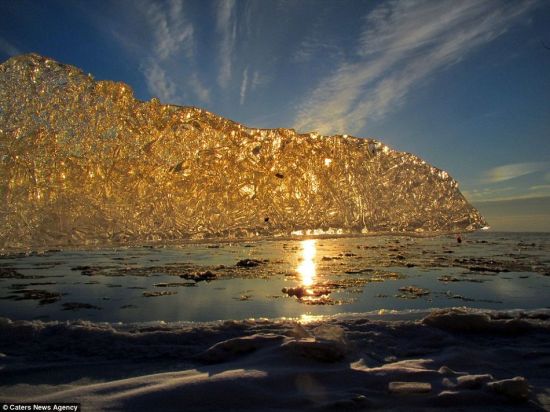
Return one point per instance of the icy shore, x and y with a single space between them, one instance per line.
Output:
452 359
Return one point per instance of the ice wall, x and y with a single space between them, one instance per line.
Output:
84 162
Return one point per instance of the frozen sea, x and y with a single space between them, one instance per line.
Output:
387 322
278 278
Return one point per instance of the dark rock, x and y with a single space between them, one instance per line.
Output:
78 306
248 263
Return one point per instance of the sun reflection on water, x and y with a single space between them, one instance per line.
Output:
307 269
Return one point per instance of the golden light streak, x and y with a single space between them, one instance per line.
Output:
307 268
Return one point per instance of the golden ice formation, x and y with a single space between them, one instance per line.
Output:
84 162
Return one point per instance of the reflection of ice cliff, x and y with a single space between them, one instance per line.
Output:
85 162
452 358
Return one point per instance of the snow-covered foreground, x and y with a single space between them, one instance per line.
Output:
453 359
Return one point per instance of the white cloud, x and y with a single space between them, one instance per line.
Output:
485 197
512 171
489 194
403 43
244 85
8 48
258 80
172 35
202 92
537 188
170 29
159 83
226 25
507 193
311 46
161 37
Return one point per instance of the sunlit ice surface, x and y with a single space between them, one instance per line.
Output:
307 268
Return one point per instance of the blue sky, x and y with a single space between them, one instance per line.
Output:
464 84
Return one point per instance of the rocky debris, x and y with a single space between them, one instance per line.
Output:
412 292
357 271
243 298
249 263
449 278
88 270
329 258
175 284
74 306
17 286
302 291
452 295
486 269
44 297
10 273
356 402
207 276
155 294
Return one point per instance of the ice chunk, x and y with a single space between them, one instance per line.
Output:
232 348
404 388
84 162
516 389
316 349
473 381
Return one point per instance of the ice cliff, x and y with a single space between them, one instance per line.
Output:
84 162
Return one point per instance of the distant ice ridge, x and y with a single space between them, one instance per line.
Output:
83 162
451 358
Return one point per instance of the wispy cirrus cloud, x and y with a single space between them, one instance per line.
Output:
226 25
8 48
172 34
244 85
200 90
171 30
312 46
402 44
507 194
259 80
496 184
251 83
159 83
512 171
161 36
